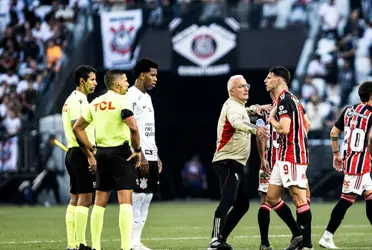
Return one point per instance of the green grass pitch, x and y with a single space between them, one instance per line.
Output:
174 225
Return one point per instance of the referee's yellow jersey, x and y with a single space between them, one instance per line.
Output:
73 108
105 111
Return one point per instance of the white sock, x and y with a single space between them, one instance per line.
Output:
144 212
327 235
137 200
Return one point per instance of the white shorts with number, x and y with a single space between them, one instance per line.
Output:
288 174
357 184
264 182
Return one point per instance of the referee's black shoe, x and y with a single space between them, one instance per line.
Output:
219 243
83 247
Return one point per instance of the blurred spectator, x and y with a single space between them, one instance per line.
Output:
255 14
316 67
298 14
54 54
212 9
346 81
355 25
67 14
242 11
269 14
155 17
194 178
346 49
12 123
308 90
330 18
167 12
317 120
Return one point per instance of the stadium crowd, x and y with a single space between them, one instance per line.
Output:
32 45
341 62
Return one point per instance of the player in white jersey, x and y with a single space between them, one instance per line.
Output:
145 72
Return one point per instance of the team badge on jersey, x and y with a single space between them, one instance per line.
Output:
143 183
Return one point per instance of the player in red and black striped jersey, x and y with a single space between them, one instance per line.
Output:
268 152
356 122
289 171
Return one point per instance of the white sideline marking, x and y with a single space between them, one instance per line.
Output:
180 238
318 226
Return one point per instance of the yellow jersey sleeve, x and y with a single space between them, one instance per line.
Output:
75 110
87 114
125 103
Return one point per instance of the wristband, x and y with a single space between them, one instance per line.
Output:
138 150
336 152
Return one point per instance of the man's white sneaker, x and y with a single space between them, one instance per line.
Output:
327 243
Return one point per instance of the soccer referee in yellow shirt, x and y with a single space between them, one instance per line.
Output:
81 179
116 132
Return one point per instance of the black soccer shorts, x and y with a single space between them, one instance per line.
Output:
113 169
149 182
81 179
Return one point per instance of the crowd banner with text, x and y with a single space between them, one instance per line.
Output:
204 49
119 31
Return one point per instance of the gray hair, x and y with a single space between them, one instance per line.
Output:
231 81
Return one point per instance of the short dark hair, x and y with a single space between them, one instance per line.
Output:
365 91
143 66
281 72
82 71
111 76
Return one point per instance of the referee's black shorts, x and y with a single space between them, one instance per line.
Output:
113 169
81 179
149 182
233 182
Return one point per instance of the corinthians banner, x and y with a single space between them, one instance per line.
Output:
205 49
119 31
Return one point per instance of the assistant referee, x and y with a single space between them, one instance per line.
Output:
116 132
81 179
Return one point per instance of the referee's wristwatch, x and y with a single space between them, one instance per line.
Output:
138 150
93 148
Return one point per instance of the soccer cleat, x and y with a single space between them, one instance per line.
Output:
295 243
263 247
307 248
218 244
83 247
69 248
327 243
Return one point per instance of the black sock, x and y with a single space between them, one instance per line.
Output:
240 208
304 220
337 215
264 222
284 212
369 210
308 202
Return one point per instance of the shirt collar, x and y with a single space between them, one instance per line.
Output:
79 94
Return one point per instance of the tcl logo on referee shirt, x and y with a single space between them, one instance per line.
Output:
103 106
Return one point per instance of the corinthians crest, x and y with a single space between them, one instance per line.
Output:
122 39
143 183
